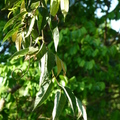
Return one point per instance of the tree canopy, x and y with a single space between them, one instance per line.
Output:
59 60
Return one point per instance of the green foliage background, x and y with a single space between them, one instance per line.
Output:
90 49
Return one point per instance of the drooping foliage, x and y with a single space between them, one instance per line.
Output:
34 68
36 37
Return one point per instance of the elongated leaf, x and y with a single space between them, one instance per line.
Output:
60 65
59 104
14 19
64 4
22 8
31 26
54 6
43 93
81 109
14 36
44 71
35 5
71 98
10 33
56 37
22 53
18 41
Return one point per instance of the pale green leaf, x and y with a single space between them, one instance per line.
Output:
43 93
81 109
59 103
71 98
64 4
35 5
31 26
54 6
56 37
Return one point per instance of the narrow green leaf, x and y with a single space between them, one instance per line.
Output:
71 98
43 93
31 26
54 6
14 19
81 109
56 37
59 104
64 4
10 33
22 53
35 5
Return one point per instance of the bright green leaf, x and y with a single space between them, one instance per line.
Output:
54 6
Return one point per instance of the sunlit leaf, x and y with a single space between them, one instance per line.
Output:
2 101
54 6
35 5
14 19
31 26
22 8
81 109
43 93
56 37
14 36
18 41
64 4
46 2
59 103
10 33
71 98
